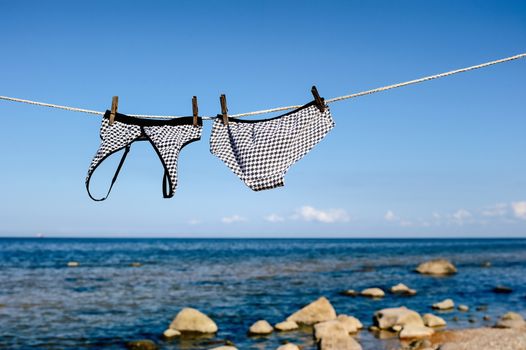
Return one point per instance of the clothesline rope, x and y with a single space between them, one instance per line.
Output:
331 100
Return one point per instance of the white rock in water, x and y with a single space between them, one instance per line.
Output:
170 333
411 331
511 320
261 327
352 324
431 320
373 293
73 263
339 342
318 311
446 304
401 316
225 347
288 346
401 288
437 267
462 307
192 320
286 326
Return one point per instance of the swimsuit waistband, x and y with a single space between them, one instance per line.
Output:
126 119
237 120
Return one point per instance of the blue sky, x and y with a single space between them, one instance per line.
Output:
443 158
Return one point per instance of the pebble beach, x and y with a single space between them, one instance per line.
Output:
281 294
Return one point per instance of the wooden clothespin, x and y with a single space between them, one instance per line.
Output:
114 105
224 109
195 109
320 102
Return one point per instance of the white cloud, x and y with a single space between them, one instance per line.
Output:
232 219
309 213
406 223
499 209
519 209
274 218
461 215
194 222
390 216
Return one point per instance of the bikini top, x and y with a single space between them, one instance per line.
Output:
167 137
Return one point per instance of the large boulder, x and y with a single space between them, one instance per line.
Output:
329 329
318 311
446 304
286 326
398 316
431 320
339 342
373 293
437 267
261 327
192 320
511 320
352 324
412 331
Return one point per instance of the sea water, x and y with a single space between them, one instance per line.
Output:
105 302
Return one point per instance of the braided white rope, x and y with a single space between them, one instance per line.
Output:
331 100
43 104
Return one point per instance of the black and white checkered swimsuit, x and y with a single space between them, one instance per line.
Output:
261 151
167 137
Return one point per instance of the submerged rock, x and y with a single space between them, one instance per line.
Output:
286 326
192 320
373 293
412 331
144 344
502 290
511 320
431 320
401 288
446 304
136 264
437 267
317 311
399 316
349 293
261 327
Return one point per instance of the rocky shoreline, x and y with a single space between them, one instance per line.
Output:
332 331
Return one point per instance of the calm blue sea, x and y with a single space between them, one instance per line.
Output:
105 302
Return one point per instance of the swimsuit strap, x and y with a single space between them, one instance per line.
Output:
123 158
168 191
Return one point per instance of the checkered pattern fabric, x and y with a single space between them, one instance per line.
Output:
167 140
260 152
